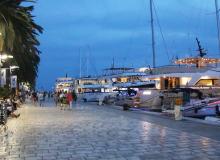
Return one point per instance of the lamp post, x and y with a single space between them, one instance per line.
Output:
1 41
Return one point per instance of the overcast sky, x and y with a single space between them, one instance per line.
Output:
105 29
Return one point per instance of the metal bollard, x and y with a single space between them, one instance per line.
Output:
178 109
100 101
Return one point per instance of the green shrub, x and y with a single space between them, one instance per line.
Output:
4 92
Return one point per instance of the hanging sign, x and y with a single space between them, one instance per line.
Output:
13 81
3 77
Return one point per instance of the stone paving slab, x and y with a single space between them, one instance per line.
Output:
93 133
186 125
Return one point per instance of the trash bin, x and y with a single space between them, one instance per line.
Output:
125 107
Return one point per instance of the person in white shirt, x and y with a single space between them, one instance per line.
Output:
41 98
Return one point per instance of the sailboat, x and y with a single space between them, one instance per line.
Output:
196 72
199 72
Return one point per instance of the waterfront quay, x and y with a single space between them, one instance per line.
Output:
91 132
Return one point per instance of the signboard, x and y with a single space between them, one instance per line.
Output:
3 77
13 81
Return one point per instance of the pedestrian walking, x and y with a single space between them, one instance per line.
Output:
44 96
74 96
56 97
41 98
70 99
62 99
34 98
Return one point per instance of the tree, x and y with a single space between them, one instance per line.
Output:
18 37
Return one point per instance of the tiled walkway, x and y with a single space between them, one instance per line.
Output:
92 133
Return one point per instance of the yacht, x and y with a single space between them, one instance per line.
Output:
200 72
196 72
65 84
93 89
106 86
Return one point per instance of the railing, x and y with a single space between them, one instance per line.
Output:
177 69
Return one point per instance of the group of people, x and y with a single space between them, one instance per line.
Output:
11 103
64 99
39 97
15 102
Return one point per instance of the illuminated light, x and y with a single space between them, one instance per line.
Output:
205 77
14 67
5 56
147 93
185 80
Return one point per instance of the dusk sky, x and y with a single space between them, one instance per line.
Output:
105 29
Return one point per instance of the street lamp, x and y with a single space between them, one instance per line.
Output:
5 56
1 41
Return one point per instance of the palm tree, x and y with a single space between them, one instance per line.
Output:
18 36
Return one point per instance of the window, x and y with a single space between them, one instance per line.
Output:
207 82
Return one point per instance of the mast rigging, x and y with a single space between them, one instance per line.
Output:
152 32
217 20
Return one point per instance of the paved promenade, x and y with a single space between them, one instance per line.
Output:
91 132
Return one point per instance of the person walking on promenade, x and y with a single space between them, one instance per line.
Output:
34 98
56 97
62 98
41 98
74 96
70 99
44 96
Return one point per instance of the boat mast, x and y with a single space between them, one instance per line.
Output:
152 32
87 64
87 61
113 62
80 64
217 19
